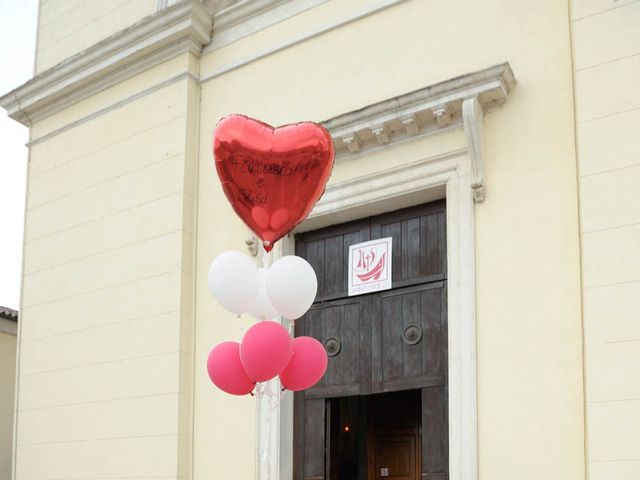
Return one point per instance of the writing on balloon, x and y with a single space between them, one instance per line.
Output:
253 198
257 167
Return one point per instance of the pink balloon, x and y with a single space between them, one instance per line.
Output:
265 350
226 371
307 365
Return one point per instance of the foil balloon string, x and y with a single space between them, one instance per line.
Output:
267 467
269 404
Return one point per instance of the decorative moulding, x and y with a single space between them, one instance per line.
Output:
185 26
162 4
461 101
387 189
472 118
422 111
243 10
250 16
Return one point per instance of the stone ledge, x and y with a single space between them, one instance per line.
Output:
246 17
419 112
180 28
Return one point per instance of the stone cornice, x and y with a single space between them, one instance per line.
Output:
183 27
249 16
459 102
419 112
243 10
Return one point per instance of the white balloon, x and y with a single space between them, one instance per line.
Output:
291 286
234 281
261 309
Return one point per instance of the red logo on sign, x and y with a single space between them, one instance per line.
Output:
367 269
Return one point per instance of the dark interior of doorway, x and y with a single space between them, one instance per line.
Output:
375 436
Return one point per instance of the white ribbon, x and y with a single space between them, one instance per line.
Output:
268 396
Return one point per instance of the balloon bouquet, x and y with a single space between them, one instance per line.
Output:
272 177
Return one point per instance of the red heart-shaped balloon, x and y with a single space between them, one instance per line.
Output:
272 176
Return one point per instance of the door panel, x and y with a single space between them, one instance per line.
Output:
395 457
327 251
419 243
395 434
343 326
409 337
309 438
435 433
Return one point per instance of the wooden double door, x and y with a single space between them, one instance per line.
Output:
389 341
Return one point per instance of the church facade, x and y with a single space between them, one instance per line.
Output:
493 141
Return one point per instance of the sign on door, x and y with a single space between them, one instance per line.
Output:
370 266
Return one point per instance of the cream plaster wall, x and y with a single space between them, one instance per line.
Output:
106 338
606 38
7 391
67 27
531 422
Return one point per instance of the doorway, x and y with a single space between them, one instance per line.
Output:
387 355
375 437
